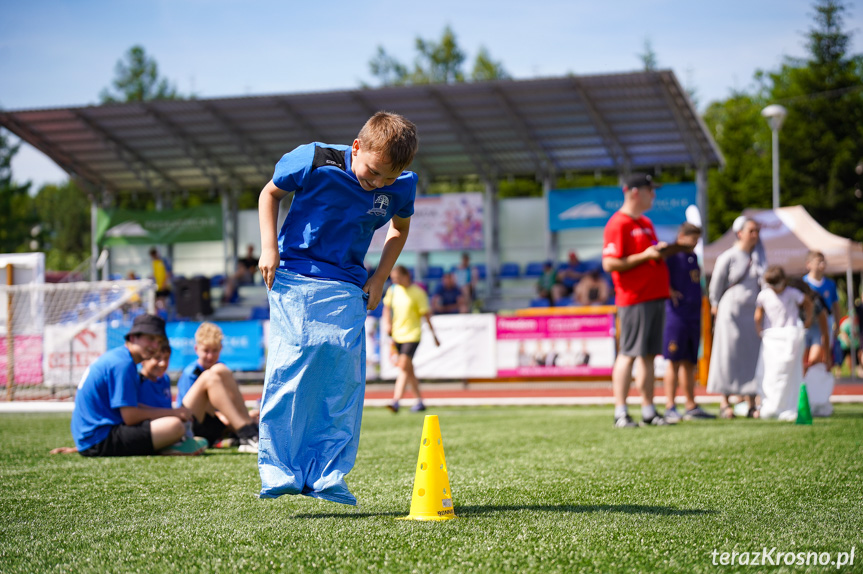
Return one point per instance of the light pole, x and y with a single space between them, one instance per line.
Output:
775 115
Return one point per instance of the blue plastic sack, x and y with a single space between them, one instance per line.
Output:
312 404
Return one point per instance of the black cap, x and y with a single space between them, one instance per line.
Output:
147 325
641 180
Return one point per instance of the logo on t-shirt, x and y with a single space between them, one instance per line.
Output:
380 203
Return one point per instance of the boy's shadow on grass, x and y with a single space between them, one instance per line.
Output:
465 511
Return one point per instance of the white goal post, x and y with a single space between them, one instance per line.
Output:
51 332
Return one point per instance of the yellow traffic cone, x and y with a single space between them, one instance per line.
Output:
432 499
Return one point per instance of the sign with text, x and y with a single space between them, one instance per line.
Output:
242 345
126 227
555 345
68 354
593 206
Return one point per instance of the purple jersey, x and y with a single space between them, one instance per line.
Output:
685 277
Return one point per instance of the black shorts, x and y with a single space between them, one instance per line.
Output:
641 327
211 428
125 440
407 348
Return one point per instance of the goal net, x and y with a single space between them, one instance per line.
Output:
50 333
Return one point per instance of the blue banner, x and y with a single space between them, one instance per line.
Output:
593 206
242 345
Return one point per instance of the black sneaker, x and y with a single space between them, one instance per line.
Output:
656 420
249 445
624 422
697 414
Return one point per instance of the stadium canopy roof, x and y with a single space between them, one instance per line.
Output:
615 122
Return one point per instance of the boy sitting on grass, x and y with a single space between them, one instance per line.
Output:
207 388
108 419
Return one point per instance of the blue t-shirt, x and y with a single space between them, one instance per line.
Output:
156 394
187 378
107 385
332 218
448 296
685 277
827 290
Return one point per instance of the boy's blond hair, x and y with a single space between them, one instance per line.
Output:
209 334
390 135
814 255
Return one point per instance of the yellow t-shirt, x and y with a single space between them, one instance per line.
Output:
160 275
408 307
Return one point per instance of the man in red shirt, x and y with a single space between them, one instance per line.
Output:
633 256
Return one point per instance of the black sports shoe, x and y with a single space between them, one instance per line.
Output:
656 421
697 414
624 422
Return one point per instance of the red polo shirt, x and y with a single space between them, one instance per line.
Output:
624 236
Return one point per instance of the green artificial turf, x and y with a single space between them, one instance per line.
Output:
535 489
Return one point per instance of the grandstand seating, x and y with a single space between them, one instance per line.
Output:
510 271
534 269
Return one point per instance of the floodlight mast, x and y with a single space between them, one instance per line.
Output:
775 115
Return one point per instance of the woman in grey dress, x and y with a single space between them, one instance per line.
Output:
734 286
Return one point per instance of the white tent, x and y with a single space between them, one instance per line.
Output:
788 234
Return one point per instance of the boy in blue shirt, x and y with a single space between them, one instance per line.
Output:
208 389
818 343
319 293
108 419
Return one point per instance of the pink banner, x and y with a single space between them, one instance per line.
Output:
555 346
28 360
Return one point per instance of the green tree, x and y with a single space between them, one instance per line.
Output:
648 58
820 144
17 214
737 127
484 68
64 214
436 62
137 80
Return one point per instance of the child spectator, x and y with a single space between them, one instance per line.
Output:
319 292
108 419
682 334
777 314
818 338
208 389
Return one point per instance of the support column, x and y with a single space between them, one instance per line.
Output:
701 198
551 239
94 244
491 238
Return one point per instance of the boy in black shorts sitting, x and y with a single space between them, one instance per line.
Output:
108 419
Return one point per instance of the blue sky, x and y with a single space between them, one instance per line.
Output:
56 53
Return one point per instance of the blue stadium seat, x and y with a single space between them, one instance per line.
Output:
217 280
114 277
434 272
480 271
540 302
510 271
564 302
260 313
534 269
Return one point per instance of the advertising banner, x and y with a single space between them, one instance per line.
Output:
447 222
66 357
466 349
27 359
242 345
558 345
125 227
592 206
